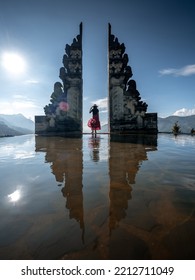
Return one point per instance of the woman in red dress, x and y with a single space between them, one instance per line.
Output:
94 122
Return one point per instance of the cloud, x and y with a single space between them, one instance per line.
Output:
184 71
31 81
184 112
18 96
24 104
27 108
22 101
102 104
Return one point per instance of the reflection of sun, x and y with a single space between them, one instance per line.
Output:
15 196
13 63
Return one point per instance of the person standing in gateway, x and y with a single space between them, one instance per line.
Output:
94 122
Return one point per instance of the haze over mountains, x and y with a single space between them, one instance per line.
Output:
186 123
13 125
165 124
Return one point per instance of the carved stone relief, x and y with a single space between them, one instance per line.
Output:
64 113
127 113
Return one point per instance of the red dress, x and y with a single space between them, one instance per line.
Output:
94 122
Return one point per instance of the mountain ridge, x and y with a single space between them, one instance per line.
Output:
165 125
18 124
14 125
186 123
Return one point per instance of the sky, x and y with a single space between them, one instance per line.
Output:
159 36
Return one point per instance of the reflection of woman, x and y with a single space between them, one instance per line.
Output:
94 145
94 122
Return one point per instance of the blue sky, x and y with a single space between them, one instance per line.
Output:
159 37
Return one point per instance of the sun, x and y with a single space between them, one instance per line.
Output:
13 63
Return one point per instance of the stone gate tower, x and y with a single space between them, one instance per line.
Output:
63 115
127 113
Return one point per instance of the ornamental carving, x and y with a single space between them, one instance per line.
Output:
64 112
127 112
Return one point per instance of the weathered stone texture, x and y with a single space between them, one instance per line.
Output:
64 112
127 113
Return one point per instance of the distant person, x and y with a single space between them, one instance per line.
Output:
94 122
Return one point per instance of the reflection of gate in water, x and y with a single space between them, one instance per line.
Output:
66 158
124 160
123 166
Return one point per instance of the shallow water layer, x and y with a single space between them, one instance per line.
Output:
103 198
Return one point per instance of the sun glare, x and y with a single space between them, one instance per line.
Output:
13 63
15 196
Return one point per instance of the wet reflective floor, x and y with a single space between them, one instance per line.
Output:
104 198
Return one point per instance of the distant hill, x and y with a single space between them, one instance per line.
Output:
12 125
7 131
185 123
166 124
